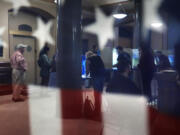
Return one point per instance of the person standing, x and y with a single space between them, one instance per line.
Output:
19 66
45 65
53 72
147 69
95 66
120 81
122 53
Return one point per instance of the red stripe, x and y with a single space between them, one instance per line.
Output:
80 118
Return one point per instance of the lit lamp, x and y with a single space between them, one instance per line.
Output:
119 16
156 24
119 12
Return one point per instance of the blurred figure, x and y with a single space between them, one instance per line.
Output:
164 88
161 61
53 72
95 49
164 63
19 66
95 67
156 57
147 69
120 52
120 82
177 59
45 65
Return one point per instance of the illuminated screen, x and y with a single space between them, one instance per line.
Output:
115 56
135 57
83 66
171 59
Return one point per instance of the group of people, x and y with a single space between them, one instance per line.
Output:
19 66
120 82
155 81
159 81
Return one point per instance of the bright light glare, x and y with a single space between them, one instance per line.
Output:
119 16
156 25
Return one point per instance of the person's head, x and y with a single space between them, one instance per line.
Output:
44 50
95 49
123 66
119 49
21 48
89 54
145 52
164 63
146 60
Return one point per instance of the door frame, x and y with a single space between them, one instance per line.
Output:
26 34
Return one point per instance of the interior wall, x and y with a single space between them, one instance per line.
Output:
106 55
22 18
4 23
4 7
92 39
125 42
156 40
173 33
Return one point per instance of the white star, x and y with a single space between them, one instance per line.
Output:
43 33
2 42
103 27
17 4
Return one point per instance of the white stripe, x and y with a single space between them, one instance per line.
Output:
124 115
45 111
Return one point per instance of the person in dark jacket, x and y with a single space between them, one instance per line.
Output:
147 68
120 82
164 88
95 66
45 65
53 72
121 52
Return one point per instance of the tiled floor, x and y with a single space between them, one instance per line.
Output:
14 117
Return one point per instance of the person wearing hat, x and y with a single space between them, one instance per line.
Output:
19 66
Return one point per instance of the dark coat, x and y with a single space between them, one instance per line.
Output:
122 84
46 65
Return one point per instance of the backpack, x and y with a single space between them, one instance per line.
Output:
40 62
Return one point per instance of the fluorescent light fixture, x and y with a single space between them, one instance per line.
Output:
119 16
156 24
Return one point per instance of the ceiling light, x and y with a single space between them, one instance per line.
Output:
119 16
156 24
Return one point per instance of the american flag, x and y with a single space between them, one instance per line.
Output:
50 111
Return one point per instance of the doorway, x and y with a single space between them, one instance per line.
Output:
29 54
